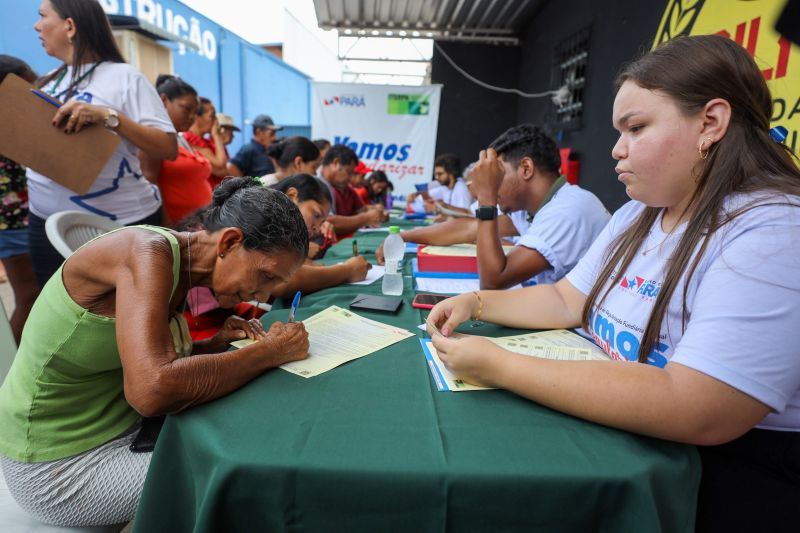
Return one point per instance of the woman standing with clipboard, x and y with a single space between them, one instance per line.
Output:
98 88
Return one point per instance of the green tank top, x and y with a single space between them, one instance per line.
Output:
64 392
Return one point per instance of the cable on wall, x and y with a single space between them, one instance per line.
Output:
559 96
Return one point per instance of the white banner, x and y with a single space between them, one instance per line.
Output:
391 127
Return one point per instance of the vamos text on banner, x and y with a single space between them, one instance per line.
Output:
391 127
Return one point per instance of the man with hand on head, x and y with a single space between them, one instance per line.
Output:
520 172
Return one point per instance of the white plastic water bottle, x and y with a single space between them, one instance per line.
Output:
393 250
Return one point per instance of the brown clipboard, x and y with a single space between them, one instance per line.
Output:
27 136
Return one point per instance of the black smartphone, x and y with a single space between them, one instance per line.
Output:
387 304
427 301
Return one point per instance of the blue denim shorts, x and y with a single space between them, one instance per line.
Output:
13 242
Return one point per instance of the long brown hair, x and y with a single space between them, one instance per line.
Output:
692 71
93 37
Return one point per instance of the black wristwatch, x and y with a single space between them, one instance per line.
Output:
486 212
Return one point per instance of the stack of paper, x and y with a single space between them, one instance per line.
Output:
554 344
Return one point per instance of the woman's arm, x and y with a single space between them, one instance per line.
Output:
674 403
310 278
151 167
156 381
217 158
152 141
555 306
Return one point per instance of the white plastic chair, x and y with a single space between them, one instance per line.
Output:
69 230
8 347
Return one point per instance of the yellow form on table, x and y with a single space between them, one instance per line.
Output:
336 336
552 344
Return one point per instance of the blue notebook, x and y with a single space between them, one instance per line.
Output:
417 274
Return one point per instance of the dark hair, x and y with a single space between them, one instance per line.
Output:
203 107
308 188
173 87
269 219
527 140
693 71
93 38
285 150
321 143
450 162
378 176
13 65
343 153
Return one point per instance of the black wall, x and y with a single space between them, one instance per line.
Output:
470 117
619 30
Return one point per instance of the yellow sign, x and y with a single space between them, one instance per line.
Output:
752 25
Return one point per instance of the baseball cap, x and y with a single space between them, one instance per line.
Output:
361 168
265 121
226 121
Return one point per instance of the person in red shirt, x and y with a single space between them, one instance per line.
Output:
205 136
349 212
184 182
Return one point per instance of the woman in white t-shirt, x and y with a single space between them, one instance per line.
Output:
98 87
696 278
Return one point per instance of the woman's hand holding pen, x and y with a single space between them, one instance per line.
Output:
357 268
448 314
285 342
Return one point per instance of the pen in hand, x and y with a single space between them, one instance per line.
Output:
355 248
293 309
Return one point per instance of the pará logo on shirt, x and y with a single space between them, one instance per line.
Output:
647 289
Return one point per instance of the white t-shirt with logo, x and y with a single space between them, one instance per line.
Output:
562 230
743 302
120 192
458 196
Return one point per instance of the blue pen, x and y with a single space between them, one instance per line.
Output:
46 98
295 303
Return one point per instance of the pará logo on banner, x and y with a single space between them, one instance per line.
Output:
347 100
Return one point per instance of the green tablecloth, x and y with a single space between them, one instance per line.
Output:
373 446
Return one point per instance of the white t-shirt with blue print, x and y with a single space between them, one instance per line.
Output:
743 302
120 192
562 230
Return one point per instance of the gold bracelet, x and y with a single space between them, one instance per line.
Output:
480 306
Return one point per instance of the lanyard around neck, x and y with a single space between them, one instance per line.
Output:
73 85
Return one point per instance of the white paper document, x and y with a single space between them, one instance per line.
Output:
373 274
451 285
337 336
448 285
553 344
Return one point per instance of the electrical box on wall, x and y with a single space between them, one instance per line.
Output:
569 71
144 53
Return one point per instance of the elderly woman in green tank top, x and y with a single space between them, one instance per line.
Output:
103 346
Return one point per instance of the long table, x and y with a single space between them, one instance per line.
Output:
373 446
